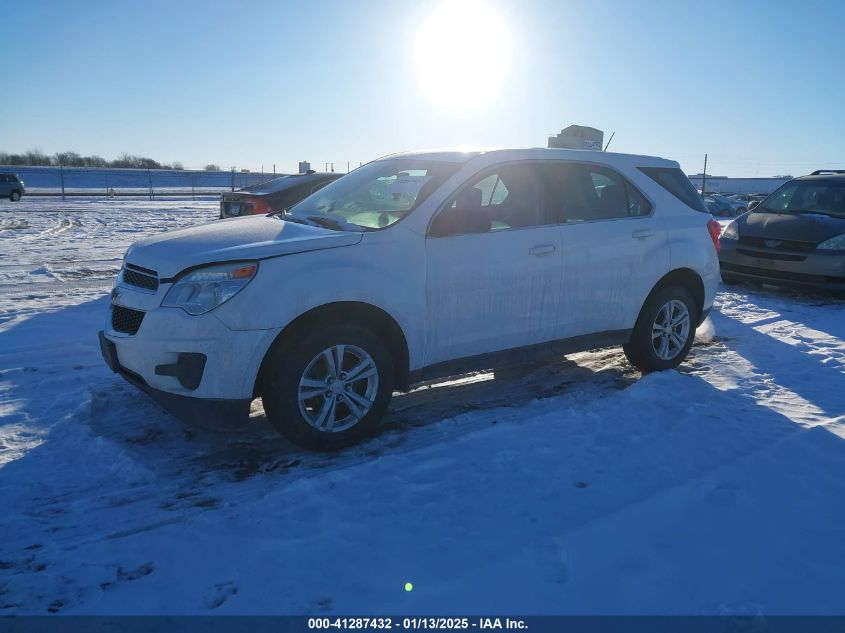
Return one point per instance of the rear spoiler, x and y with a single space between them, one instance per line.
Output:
820 172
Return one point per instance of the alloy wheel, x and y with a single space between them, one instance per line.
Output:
671 330
338 388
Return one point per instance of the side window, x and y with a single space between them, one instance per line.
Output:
637 204
675 182
507 198
579 192
603 193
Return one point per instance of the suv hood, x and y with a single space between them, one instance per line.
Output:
257 237
795 227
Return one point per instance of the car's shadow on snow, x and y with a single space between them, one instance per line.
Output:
799 344
429 414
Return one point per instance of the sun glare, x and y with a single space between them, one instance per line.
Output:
463 53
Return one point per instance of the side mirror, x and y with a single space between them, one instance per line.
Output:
753 204
457 221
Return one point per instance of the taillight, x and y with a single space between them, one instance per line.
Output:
260 206
715 230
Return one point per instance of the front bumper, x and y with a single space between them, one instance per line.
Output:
196 367
808 269
213 411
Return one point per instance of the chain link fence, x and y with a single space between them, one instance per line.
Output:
113 181
94 181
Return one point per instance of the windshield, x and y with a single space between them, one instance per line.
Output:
373 196
807 196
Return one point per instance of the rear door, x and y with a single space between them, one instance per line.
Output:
493 266
614 248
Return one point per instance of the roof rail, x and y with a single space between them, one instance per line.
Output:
819 172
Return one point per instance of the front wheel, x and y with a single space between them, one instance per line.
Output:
15 196
330 388
664 331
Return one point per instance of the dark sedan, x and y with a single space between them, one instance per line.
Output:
273 195
795 236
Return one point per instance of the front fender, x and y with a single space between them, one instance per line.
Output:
386 270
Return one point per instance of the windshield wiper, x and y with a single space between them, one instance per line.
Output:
329 223
336 224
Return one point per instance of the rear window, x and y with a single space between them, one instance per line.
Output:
676 182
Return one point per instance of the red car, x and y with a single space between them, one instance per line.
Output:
273 195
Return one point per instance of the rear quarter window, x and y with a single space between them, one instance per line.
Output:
676 182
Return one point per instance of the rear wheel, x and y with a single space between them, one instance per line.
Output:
15 196
329 389
664 331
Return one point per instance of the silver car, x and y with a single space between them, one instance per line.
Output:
795 237
11 187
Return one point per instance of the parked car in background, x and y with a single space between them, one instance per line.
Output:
717 208
736 206
796 236
11 187
274 195
744 199
413 267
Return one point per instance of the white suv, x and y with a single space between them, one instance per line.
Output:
412 267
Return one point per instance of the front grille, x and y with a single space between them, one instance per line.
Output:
126 320
782 274
784 257
783 245
140 277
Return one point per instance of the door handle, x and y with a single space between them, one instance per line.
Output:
542 249
643 234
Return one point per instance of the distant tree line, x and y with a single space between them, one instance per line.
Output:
72 159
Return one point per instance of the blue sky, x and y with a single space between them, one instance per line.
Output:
756 85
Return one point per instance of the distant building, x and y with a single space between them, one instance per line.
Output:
304 166
578 137
723 184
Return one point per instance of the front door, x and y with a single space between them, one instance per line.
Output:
493 268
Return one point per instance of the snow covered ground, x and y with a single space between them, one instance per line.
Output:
575 486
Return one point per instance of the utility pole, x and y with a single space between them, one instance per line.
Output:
704 176
274 170
62 174
233 177
327 168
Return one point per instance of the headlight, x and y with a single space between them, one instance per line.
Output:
203 289
731 232
833 244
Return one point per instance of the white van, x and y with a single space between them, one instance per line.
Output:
412 267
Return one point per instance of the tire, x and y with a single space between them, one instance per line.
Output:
730 280
335 416
15 196
645 350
